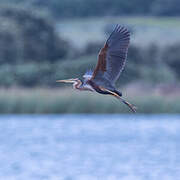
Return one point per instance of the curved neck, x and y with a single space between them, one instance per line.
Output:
77 84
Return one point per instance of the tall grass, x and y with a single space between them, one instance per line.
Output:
69 101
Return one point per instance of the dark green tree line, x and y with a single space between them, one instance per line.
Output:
24 37
84 8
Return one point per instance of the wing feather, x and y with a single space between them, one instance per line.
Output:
112 57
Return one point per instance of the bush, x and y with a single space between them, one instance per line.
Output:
157 75
166 7
75 68
143 64
25 36
6 76
171 56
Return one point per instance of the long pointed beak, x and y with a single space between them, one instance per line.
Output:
66 81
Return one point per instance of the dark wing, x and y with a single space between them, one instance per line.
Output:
112 58
117 50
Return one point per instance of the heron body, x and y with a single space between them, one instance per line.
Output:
111 62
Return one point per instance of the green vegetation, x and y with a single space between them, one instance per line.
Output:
171 56
35 52
68 101
165 7
25 37
86 8
45 74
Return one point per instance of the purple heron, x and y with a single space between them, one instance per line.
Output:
111 62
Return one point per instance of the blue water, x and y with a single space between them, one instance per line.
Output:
90 147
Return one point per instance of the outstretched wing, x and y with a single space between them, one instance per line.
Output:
112 57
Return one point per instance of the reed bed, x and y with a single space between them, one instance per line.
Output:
48 101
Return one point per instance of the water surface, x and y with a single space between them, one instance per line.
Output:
90 147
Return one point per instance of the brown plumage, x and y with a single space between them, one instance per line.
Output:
112 58
101 65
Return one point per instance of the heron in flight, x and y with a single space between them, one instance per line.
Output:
111 62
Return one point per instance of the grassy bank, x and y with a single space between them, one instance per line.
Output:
69 101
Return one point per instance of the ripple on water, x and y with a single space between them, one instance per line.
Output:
89 147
